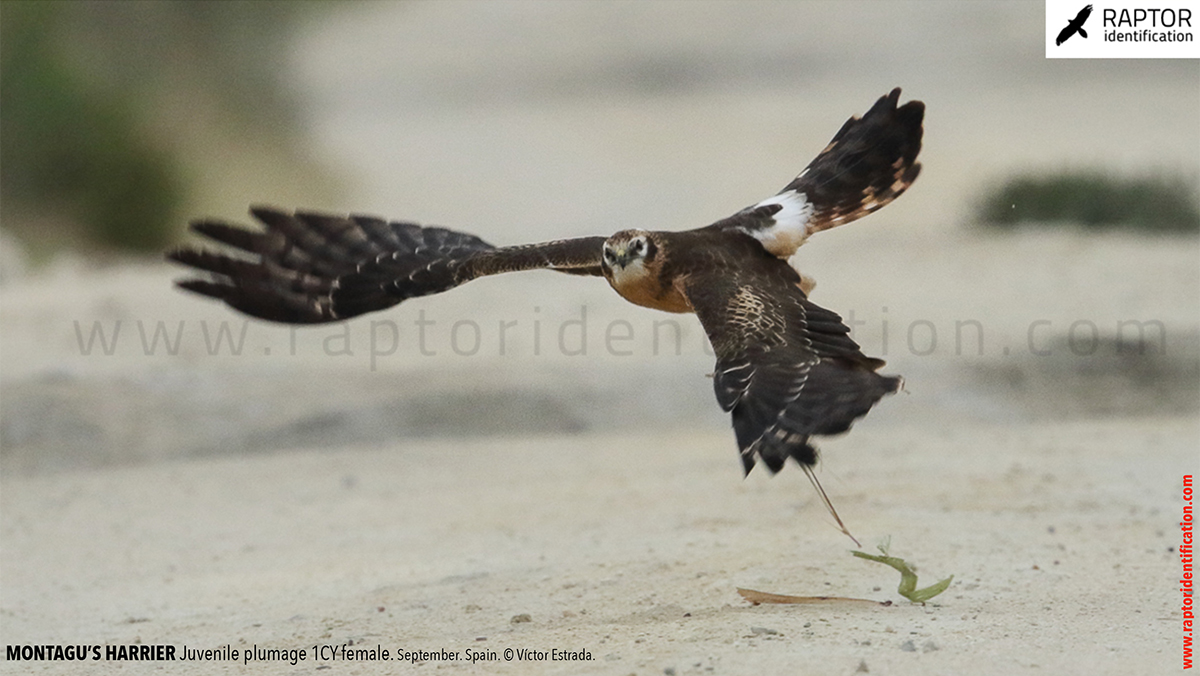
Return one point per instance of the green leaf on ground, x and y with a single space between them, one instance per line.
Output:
908 576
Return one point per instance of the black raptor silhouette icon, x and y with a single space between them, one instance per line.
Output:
1075 26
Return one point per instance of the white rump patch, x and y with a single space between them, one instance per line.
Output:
790 227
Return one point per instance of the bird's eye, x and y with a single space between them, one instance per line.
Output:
608 255
638 245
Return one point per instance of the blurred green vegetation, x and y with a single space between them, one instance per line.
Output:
87 154
1093 199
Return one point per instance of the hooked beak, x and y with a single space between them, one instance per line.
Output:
621 256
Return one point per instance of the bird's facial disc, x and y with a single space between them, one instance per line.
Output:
621 253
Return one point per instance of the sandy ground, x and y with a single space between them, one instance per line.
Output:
629 547
397 484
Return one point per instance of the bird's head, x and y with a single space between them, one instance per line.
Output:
628 250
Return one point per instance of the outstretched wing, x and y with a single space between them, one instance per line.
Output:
870 162
308 267
786 369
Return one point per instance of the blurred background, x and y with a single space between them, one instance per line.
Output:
1045 266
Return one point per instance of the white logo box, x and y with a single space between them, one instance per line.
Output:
1124 29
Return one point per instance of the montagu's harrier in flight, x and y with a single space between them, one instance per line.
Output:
786 369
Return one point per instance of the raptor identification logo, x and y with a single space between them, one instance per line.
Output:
1123 29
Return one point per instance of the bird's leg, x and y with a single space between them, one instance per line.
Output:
828 505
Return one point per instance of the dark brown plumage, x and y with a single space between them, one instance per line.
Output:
786 370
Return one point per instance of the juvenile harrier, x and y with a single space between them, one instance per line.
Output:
786 368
